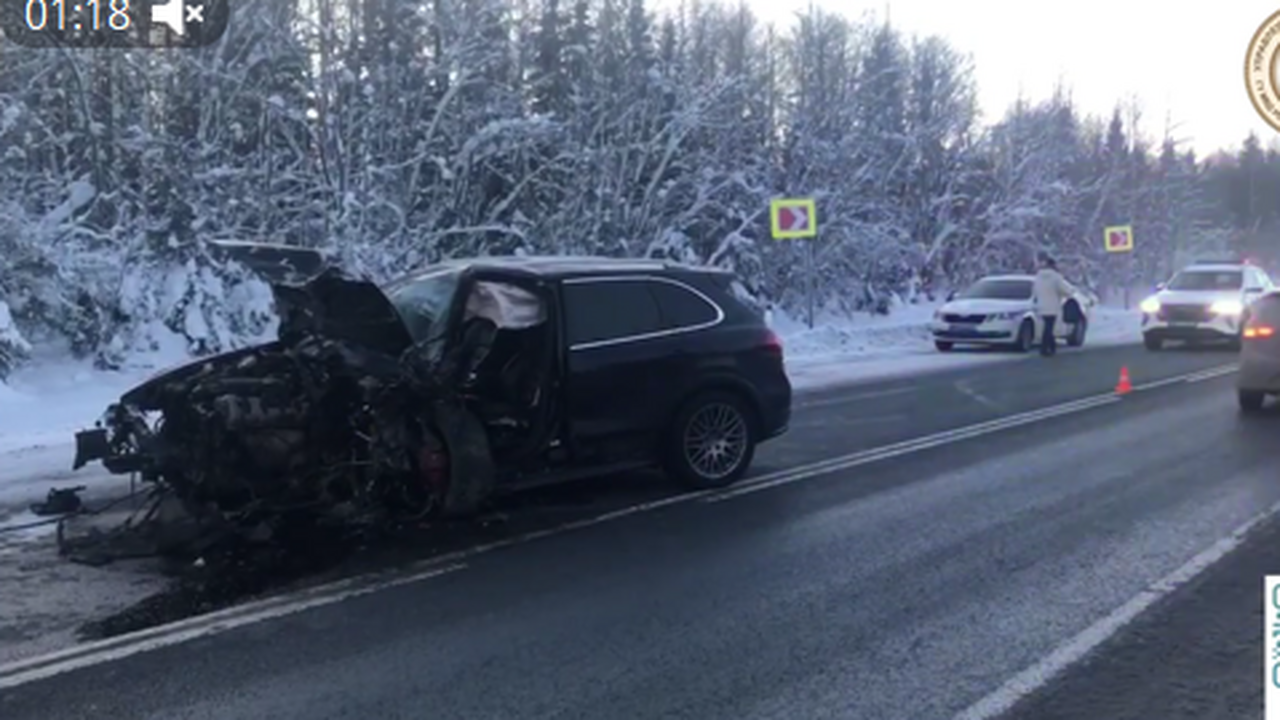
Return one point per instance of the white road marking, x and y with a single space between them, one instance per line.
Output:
843 399
1212 373
787 477
966 389
94 653
1046 670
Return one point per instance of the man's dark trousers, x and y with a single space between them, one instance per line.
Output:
1049 341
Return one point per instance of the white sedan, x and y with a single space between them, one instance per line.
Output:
1000 310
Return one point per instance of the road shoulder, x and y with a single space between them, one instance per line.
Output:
1196 654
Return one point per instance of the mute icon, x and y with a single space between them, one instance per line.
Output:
175 14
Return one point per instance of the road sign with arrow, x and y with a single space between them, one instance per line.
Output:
793 218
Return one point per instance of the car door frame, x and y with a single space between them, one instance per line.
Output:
546 428
646 351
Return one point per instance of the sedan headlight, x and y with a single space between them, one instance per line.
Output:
1150 306
1227 307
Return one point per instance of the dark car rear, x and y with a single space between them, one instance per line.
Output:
671 355
1259 373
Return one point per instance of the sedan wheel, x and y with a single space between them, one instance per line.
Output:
1026 336
1078 331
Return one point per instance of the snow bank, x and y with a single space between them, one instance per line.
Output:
41 408
900 344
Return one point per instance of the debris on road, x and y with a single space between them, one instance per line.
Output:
60 501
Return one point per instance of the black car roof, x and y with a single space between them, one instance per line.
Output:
566 266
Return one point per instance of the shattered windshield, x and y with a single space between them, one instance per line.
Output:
423 301
997 290
1205 280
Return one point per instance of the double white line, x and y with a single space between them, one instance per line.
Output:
906 447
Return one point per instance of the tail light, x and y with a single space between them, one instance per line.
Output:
1254 332
773 344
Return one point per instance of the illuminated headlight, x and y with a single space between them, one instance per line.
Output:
1227 307
1150 305
1004 316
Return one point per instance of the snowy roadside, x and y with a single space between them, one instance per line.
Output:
900 345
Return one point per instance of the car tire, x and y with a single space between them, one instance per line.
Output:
1152 343
1250 401
944 345
1026 336
716 418
1078 332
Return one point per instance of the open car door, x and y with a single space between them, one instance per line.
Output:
502 355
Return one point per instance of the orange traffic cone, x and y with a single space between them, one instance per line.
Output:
1124 386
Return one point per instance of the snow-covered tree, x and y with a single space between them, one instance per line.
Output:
398 132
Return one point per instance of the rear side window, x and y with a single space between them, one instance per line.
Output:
601 310
682 308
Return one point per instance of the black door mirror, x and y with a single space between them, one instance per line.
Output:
951 296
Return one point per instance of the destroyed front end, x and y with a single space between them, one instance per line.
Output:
334 421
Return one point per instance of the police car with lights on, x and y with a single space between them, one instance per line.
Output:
1207 301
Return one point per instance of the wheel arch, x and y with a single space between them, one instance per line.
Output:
1072 312
731 385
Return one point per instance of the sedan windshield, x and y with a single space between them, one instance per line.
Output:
423 301
990 289
1207 280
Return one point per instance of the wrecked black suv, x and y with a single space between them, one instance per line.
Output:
427 396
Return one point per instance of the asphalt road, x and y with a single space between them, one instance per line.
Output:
1196 655
905 588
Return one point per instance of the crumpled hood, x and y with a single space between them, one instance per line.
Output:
338 307
331 306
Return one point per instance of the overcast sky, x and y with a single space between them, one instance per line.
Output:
1186 62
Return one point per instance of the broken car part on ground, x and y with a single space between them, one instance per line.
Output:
358 415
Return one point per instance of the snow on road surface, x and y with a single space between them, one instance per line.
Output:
44 404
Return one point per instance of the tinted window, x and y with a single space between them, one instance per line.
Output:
1207 280
998 290
682 308
596 311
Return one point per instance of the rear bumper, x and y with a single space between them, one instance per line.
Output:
775 409
1258 374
